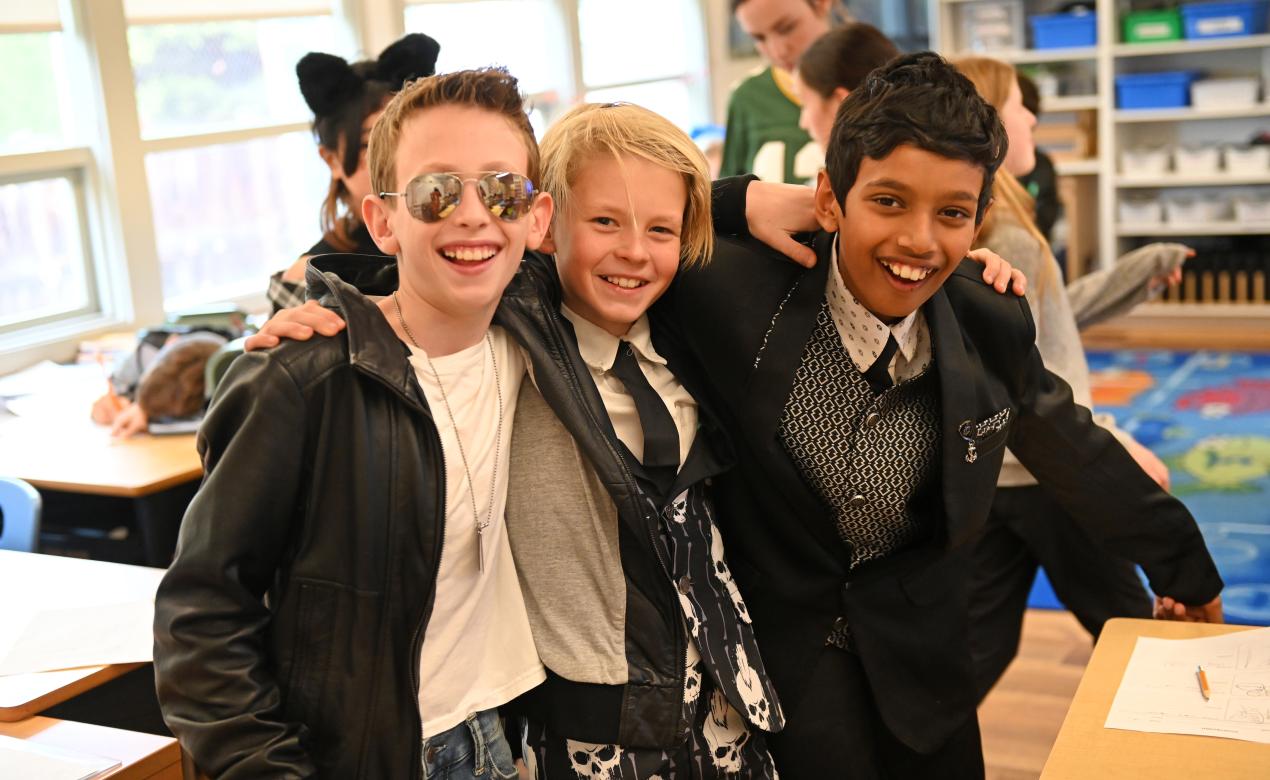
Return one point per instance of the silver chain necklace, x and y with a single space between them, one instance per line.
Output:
498 434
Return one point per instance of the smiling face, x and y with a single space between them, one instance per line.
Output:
617 243
458 266
1020 158
783 29
906 223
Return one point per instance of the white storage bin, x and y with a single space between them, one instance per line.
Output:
1252 208
1144 162
1225 93
1141 211
1195 211
1196 160
992 26
1247 159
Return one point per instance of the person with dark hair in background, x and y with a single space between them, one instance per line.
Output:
1042 182
833 66
346 99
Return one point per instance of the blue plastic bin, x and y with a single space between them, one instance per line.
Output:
1171 89
1224 20
1064 31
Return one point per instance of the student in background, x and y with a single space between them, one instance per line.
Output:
343 601
1042 181
346 99
1028 529
833 66
162 378
763 136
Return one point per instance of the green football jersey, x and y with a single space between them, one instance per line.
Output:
763 136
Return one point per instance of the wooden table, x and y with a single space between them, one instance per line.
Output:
61 582
1085 749
72 454
142 756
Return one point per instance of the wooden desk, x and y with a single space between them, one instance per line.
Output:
78 456
72 454
63 582
1085 749
142 756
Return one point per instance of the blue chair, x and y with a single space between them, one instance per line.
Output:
19 515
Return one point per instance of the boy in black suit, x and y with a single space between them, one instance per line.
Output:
871 397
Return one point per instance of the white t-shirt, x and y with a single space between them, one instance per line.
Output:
478 651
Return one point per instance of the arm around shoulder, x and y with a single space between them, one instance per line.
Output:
215 678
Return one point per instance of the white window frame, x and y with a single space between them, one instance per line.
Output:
122 264
574 88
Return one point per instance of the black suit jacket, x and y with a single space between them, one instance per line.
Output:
744 320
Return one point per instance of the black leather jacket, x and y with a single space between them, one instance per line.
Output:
289 626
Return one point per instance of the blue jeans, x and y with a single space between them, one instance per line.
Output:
476 749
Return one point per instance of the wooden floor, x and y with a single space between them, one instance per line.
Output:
1021 717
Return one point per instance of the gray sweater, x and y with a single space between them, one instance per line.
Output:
1061 311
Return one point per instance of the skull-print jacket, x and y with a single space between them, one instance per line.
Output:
669 551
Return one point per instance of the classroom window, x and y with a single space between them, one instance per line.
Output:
43 268
227 216
649 53
234 177
33 83
196 78
512 33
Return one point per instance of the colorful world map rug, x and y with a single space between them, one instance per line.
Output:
1207 415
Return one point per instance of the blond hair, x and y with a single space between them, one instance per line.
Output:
492 89
592 129
994 79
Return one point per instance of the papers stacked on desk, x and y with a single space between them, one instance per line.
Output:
1160 691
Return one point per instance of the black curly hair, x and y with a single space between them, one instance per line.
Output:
921 100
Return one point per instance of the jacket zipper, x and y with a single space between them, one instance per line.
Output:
630 482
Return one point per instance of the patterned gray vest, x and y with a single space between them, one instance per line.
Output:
872 460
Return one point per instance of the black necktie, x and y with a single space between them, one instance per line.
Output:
877 375
661 439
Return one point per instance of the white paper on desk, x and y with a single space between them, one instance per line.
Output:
30 761
1160 692
72 637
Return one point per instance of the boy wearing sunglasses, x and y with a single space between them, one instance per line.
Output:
344 603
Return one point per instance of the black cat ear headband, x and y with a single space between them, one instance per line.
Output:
329 82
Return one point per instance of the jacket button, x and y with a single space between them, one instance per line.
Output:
872 419
685 585
857 500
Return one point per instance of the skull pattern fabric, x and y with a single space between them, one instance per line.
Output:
718 742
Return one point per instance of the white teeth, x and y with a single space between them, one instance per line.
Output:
625 283
909 272
470 254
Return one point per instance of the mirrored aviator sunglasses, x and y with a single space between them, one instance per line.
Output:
431 197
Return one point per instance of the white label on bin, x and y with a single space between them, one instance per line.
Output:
1220 25
1153 29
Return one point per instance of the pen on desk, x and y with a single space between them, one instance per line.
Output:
1203 683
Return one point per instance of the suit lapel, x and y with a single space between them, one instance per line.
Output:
959 377
770 384
781 352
